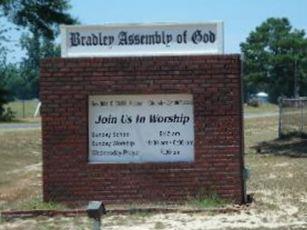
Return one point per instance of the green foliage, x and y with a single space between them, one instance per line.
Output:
21 80
42 16
273 55
8 115
36 203
211 201
3 90
5 114
42 19
253 102
36 48
2 101
3 49
208 199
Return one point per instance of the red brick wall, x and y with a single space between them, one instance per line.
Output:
215 84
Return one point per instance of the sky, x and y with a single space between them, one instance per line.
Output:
240 17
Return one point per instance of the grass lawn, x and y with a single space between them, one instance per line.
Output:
278 171
262 108
278 182
23 112
20 168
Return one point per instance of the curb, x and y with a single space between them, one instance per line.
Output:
9 215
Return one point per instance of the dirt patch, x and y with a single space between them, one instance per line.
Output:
248 219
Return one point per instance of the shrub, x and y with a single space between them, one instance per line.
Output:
253 102
7 115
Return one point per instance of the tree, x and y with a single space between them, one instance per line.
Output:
5 114
9 76
3 101
275 60
39 16
36 49
21 80
42 19
3 95
3 53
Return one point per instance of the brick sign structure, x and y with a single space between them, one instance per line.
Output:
126 129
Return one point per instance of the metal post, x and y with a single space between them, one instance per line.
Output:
280 101
37 110
96 224
95 210
302 115
23 109
296 85
303 107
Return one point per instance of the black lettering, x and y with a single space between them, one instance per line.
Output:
94 40
137 39
211 36
89 41
185 36
197 37
106 120
157 37
130 39
122 37
179 38
205 38
74 39
156 118
169 38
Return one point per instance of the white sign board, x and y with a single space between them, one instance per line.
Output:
142 40
141 128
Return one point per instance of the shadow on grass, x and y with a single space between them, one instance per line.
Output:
288 146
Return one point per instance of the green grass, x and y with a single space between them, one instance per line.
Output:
262 108
258 130
277 181
211 200
27 112
36 203
160 225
